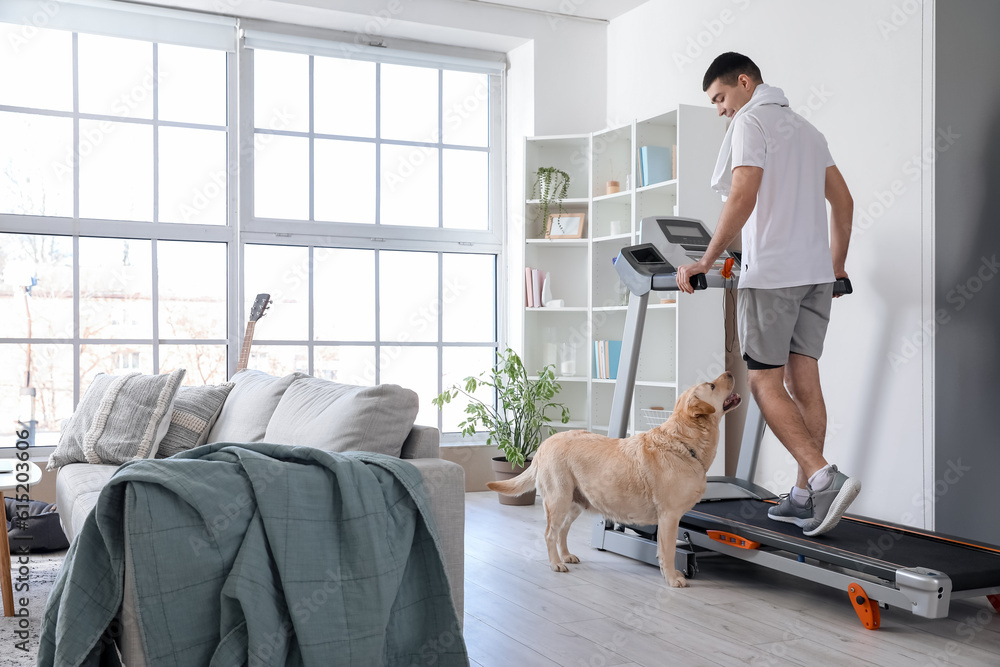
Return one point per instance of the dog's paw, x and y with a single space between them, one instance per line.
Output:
677 580
570 558
558 567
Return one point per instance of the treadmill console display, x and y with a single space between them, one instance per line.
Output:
684 232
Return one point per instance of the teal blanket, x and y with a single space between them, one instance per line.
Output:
263 555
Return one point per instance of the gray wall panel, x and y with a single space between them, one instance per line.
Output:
967 280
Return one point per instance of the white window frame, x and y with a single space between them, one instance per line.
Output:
195 29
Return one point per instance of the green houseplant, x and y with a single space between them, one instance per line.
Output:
517 422
551 185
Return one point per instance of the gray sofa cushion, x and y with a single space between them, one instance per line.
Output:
340 417
195 412
119 418
249 406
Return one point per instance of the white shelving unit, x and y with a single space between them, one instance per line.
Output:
684 340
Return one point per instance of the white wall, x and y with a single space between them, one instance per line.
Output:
854 69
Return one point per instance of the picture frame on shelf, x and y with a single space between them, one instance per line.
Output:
565 226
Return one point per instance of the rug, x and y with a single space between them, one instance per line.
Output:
42 571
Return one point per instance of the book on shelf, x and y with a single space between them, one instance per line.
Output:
537 291
529 299
614 354
607 354
655 164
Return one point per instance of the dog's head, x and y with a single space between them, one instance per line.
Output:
710 399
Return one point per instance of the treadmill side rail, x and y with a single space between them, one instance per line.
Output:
928 590
923 594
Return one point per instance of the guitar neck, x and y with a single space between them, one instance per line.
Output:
245 350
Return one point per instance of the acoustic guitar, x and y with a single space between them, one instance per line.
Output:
260 306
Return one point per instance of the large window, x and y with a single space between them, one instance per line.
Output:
138 220
412 318
342 140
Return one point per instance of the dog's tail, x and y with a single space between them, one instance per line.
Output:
514 487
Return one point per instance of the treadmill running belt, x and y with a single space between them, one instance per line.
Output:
874 549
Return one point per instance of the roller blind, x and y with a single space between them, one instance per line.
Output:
123 19
461 60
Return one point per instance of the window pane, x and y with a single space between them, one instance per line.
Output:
116 170
345 97
415 368
409 186
192 84
113 360
116 76
282 272
116 287
52 379
345 181
205 364
344 284
36 165
192 303
44 264
466 100
279 359
466 189
459 363
192 176
408 296
29 55
280 90
409 103
348 364
281 177
469 298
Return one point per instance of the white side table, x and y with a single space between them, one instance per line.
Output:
25 473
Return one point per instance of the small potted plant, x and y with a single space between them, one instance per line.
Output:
551 185
518 421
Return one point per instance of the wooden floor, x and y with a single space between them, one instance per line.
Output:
611 610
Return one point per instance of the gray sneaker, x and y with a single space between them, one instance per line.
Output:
829 504
789 511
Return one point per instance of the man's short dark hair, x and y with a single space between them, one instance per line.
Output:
728 67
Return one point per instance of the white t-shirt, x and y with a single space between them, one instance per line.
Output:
786 239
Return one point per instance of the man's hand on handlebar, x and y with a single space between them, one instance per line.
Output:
685 272
840 275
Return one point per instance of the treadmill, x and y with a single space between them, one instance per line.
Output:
877 564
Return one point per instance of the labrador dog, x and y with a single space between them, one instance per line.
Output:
649 478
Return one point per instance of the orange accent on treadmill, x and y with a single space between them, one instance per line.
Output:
866 608
995 601
733 540
727 268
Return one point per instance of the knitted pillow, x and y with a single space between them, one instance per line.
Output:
119 418
195 412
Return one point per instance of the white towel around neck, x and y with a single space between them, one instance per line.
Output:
722 178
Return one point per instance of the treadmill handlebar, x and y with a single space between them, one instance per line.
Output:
643 268
666 282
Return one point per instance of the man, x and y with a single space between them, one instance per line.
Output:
776 174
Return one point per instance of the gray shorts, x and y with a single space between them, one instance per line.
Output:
774 322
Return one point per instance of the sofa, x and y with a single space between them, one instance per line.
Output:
301 410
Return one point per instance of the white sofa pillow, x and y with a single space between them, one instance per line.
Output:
341 417
249 406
